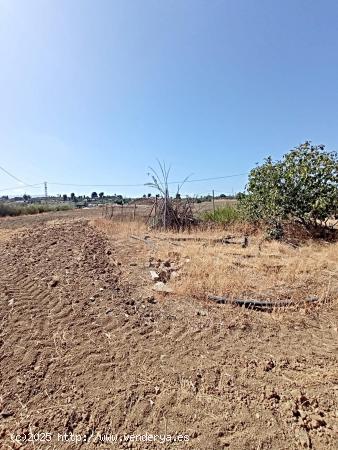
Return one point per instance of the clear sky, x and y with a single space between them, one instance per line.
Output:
93 91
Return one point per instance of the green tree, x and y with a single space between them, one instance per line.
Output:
303 185
65 197
94 195
72 197
101 195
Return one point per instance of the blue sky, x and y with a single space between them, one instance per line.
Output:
92 92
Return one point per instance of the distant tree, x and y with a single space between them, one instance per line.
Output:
144 196
94 195
101 195
149 195
65 197
222 196
240 196
72 197
178 196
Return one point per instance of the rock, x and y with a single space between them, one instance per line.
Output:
302 413
154 275
54 282
162 287
316 421
269 365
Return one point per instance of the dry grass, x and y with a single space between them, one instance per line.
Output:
277 271
270 271
120 228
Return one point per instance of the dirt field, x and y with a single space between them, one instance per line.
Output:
90 350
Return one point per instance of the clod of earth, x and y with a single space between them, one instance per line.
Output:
54 282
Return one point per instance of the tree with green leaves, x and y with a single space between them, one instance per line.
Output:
302 186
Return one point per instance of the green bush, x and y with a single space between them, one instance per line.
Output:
8 209
222 215
302 186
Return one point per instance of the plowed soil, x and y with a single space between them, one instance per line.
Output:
86 350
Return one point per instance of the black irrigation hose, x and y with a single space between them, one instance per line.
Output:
258 304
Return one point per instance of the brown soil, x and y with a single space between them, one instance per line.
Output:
86 349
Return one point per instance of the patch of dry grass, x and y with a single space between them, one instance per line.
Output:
120 228
278 271
273 270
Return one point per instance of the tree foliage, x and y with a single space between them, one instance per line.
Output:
303 185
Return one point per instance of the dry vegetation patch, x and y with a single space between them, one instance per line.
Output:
271 270
277 271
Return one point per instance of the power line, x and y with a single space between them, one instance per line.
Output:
20 187
215 178
24 185
97 185
11 175
146 184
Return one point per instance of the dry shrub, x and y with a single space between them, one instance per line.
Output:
297 233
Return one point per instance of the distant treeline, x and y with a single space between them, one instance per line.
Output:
11 209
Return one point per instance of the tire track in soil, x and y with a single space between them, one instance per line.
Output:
51 334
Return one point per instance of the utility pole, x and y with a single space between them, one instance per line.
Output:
46 192
213 201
